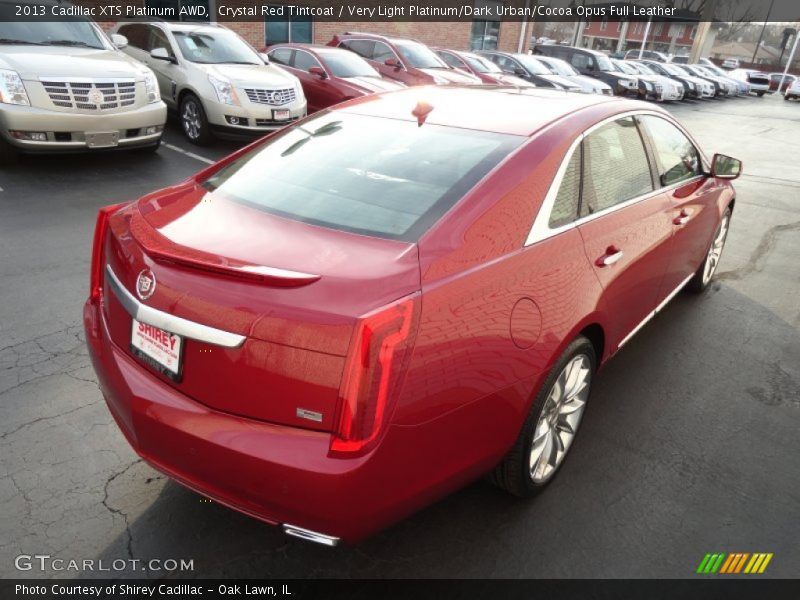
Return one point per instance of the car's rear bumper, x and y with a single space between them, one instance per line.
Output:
67 131
758 87
275 473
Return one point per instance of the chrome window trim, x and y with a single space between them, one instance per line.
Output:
177 325
541 230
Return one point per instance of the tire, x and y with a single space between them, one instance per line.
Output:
759 94
8 154
516 474
194 122
705 272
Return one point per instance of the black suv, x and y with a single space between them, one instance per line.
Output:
593 64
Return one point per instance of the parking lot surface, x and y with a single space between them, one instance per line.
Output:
691 441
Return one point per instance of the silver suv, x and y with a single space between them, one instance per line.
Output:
66 87
215 80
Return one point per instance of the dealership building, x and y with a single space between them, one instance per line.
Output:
281 27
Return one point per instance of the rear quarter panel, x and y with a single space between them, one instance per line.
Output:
473 362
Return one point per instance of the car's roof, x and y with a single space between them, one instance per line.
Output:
378 36
190 26
309 47
510 110
573 48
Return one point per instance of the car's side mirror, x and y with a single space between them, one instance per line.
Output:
393 62
161 54
725 167
520 72
119 41
318 72
265 57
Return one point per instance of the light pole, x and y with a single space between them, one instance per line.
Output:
644 39
789 62
761 35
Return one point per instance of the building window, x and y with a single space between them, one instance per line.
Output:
603 25
193 10
485 34
281 29
693 32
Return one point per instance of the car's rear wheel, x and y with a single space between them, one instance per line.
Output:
8 154
705 272
194 121
552 423
759 94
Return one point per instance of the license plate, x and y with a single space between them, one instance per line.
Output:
159 349
102 139
281 115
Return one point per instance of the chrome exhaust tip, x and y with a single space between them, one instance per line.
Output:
311 536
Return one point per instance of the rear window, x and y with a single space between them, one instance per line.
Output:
375 176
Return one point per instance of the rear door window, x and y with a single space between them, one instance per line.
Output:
382 177
616 168
581 61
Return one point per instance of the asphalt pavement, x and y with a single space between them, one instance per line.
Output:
690 444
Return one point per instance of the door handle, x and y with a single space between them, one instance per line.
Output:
612 255
682 218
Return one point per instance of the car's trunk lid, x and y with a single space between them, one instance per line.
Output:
293 290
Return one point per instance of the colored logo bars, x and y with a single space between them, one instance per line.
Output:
734 562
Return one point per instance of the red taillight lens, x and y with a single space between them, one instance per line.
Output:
376 363
100 229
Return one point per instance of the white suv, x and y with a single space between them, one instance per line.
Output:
215 80
64 87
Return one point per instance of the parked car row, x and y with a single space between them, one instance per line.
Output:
55 75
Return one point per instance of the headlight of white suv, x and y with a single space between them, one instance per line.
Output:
12 90
225 92
151 87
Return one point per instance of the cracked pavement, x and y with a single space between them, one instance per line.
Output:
691 442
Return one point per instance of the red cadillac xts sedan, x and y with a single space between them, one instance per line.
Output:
368 309
329 75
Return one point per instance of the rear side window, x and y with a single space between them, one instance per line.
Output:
677 157
381 177
282 56
566 206
363 48
615 168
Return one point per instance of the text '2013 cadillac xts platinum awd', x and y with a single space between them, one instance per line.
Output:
369 309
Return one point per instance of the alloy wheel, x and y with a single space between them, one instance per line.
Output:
560 417
715 251
191 120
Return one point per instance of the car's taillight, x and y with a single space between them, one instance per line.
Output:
376 363
100 229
